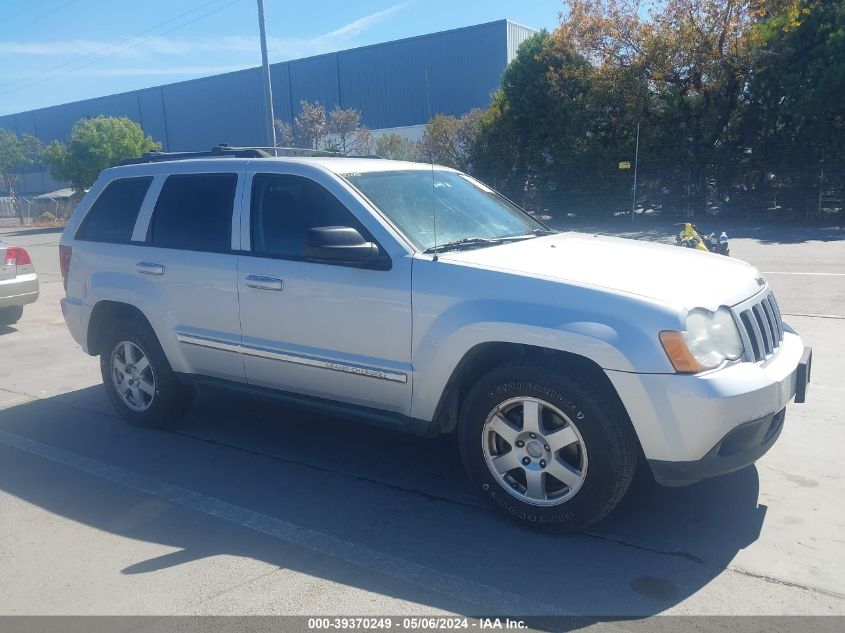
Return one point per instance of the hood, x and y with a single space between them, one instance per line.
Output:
676 276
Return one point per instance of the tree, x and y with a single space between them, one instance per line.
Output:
344 125
542 130
439 141
680 71
16 154
363 141
395 146
94 145
466 134
796 103
311 125
341 131
284 134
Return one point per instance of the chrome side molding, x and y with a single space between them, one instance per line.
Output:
297 359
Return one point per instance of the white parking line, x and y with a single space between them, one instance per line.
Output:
782 272
813 316
485 596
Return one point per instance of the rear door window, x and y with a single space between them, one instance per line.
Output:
112 217
194 212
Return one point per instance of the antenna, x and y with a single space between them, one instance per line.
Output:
431 159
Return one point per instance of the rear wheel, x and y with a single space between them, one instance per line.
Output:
10 315
140 383
544 448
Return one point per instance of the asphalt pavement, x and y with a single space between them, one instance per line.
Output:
249 507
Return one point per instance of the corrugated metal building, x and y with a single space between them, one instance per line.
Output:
395 84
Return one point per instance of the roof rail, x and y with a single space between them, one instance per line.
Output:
227 151
218 151
280 151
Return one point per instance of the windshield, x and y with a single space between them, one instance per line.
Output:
465 208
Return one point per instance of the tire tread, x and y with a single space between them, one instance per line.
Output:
614 421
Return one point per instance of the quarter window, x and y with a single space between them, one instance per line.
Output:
194 212
285 208
112 217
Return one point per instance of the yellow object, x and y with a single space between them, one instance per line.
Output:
689 233
625 164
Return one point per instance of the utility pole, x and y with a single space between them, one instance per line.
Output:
265 74
636 161
821 189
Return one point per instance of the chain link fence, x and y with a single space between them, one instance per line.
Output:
806 194
34 210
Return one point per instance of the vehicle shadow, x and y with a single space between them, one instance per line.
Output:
7 329
370 490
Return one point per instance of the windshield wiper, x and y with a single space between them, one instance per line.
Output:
456 244
470 242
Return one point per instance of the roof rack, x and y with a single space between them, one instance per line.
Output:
227 151
296 151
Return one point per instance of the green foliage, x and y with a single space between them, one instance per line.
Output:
439 143
734 98
16 154
797 104
94 145
450 141
395 146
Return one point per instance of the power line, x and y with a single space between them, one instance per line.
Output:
49 73
41 16
25 10
97 56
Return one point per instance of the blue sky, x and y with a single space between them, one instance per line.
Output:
55 51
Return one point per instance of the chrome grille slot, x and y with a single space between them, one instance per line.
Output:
761 326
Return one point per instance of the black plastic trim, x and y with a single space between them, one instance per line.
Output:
368 415
802 376
741 447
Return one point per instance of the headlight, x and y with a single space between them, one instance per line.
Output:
709 339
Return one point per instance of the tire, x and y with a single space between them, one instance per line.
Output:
595 465
10 315
157 397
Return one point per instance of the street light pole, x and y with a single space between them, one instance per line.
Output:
265 74
636 161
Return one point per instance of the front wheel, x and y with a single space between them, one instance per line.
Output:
544 448
138 379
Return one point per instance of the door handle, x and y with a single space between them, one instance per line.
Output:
264 283
149 268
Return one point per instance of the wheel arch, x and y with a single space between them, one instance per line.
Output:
485 356
106 312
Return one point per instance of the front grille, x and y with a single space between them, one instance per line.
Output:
762 326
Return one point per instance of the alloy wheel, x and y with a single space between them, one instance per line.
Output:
534 451
133 376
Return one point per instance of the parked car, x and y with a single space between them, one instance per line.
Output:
18 282
420 299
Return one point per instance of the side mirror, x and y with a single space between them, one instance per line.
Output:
340 245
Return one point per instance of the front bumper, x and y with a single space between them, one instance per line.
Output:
682 419
741 447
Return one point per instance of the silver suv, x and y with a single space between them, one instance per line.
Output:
420 299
